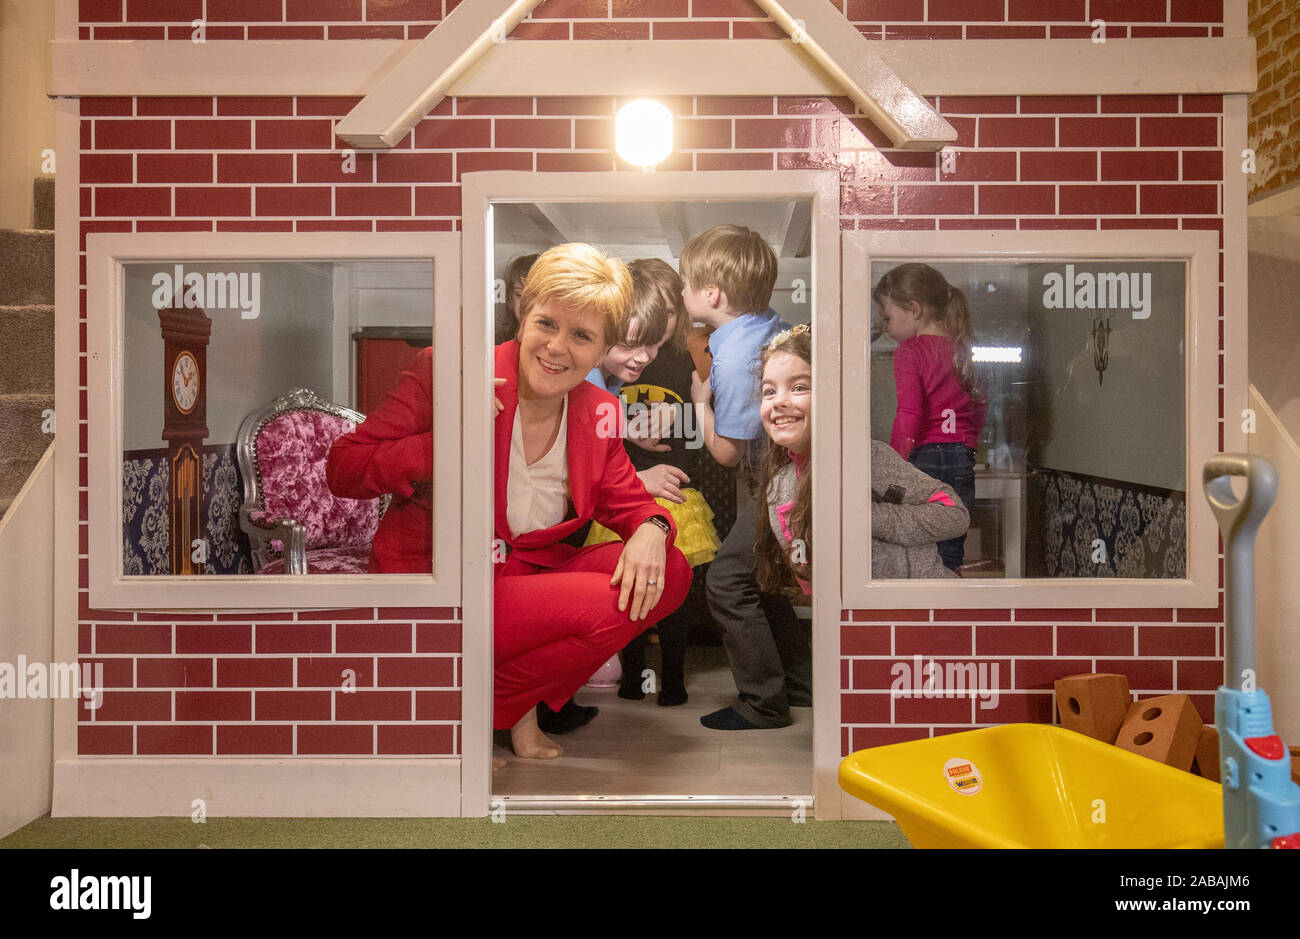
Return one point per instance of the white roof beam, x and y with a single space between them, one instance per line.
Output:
424 77
549 220
673 222
798 231
834 44
541 67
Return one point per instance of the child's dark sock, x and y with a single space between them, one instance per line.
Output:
566 720
672 695
727 719
672 652
632 658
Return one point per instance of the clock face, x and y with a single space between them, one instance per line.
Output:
185 382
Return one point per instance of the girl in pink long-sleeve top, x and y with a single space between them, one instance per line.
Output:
940 408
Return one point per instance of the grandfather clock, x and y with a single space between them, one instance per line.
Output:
185 336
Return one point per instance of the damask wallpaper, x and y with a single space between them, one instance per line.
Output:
145 479
1143 531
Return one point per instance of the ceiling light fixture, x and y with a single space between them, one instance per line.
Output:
643 133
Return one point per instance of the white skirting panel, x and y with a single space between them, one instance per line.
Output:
853 809
254 788
1277 556
27 630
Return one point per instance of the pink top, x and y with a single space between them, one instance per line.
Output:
927 387
800 461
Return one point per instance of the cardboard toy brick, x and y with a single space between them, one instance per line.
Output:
697 341
1166 728
1094 705
1207 755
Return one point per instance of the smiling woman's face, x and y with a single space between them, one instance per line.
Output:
558 346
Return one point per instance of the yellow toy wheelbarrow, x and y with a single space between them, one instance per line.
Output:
1034 786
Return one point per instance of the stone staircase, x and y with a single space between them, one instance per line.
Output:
26 345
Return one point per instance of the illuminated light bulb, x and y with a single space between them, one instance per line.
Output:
643 132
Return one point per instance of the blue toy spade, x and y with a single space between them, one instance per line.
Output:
1261 804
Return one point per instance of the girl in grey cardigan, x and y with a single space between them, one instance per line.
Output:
910 511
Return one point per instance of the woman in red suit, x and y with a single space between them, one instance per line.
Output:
560 610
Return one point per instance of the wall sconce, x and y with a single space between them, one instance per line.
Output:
643 133
1100 346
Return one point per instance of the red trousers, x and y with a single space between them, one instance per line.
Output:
554 626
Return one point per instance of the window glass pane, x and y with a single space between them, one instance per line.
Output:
209 345
1071 450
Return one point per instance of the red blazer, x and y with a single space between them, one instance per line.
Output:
393 449
393 452
602 481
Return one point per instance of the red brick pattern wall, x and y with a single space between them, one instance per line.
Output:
1161 651
245 684
649 19
272 684
1274 126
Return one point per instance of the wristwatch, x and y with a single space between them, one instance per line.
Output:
661 522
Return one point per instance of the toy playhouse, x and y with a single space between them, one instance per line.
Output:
318 190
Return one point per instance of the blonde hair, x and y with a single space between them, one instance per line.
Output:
737 261
583 277
656 297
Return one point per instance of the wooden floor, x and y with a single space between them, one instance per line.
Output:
639 748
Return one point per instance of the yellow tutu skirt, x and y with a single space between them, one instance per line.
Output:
696 536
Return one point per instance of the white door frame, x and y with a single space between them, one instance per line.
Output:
478 191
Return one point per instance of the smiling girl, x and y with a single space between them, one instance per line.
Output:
783 542
910 512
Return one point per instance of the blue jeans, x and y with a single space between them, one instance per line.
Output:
954 464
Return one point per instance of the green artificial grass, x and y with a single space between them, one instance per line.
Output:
517 831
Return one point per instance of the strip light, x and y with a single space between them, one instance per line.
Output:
995 353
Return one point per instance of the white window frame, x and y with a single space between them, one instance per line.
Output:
478 192
1200 249
106 254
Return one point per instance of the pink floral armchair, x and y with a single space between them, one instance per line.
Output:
294 523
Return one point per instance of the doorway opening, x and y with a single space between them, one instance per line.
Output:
637 753
645 758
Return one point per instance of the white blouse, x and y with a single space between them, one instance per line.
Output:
537 496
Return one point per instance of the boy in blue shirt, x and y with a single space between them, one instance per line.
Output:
729 273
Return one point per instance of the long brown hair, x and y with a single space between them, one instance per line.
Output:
656 298
516 274
940 303
772 566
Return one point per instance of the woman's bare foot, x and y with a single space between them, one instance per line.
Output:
529 742
498 762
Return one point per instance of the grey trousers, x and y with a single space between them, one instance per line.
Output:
769 649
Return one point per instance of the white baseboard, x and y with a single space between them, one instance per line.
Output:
254 788
853 809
